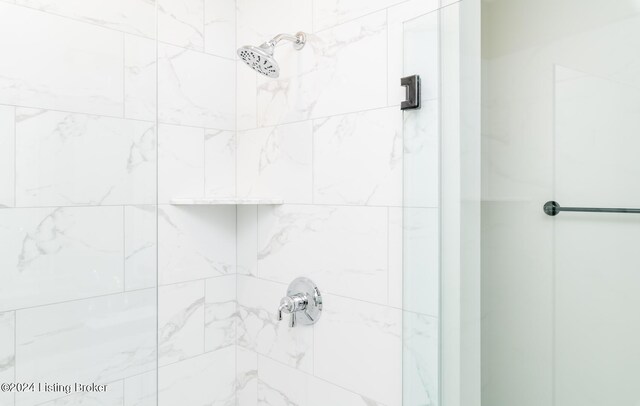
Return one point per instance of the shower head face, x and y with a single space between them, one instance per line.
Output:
260 59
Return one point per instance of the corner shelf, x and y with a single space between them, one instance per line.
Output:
213 201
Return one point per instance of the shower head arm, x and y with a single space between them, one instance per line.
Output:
298 40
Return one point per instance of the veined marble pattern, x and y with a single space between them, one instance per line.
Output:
259 21
52 255
100 340
221 315
140 248
180 321
220 27
420 360
349 59
181 22
207 379
328 13
180 162
88 79
133 16
114 396
375 138
195 242
76 159
220 163
338 247
7 156
7 355
141 390
276 161
139 78
260 331
358 346
281 385
246 377
195 89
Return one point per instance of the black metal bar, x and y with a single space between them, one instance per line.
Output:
552 208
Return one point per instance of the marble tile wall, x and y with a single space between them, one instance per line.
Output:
327 137
108 110
78 168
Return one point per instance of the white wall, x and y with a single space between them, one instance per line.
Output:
560 122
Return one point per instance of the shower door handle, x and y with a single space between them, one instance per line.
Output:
412 88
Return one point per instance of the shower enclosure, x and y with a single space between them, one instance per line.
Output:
157 198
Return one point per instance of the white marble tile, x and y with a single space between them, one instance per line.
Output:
328 13
422 156
140 248
396 260
337 247
247 240
421 253
7 156
100 340
77 159
220 27
52 255
219 163
180 162
322 393
420 360
221 316
358 346
357 158
340 70
141 390
181 22
280 385
132 16
114 396
180 321
413 24
195 88
88 79
260 331
259 21
7 354
276 161
246 377
246 94
195 242
207 379
140 78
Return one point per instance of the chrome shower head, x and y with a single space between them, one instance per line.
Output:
261 58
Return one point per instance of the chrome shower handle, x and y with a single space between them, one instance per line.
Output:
292 304
302 296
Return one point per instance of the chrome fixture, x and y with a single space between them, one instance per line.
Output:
261 58
304 298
